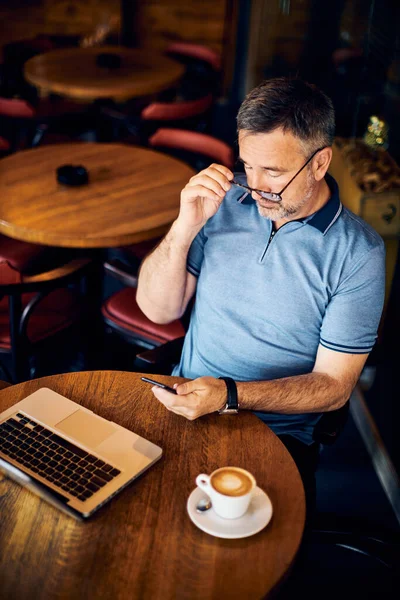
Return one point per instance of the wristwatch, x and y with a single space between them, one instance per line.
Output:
232 405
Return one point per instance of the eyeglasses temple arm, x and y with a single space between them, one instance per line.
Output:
299 171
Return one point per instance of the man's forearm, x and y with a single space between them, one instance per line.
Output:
312 392
163 277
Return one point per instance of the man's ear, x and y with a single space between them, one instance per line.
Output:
321 163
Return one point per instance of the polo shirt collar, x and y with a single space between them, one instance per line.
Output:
325 217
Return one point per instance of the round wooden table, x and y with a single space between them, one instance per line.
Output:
74 72
132 195
143 544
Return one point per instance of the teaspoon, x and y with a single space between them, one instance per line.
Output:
203 505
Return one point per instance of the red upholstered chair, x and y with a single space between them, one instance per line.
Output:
122 314
16 108
23 125
35 302
196 148
14 116
120 310
191 115
196 52
176 111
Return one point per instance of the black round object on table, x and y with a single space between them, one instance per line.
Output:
72 175
108 60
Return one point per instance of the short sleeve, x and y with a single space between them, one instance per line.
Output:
352 316
196 254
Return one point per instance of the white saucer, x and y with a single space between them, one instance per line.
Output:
256 518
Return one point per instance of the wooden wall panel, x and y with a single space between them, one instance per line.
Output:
80 16
163 21
25 19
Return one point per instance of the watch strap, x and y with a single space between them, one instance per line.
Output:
232 404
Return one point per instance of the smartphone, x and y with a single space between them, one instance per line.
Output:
161 385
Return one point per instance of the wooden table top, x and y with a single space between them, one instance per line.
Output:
143 544
132 195
74 72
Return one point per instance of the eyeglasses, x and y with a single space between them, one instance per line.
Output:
274 197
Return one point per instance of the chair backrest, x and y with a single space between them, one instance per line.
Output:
58 308
194 142
16 108
16 121
16 257
176 111
195 51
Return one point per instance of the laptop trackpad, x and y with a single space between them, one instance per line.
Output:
87 429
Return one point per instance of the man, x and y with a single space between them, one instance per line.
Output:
289 284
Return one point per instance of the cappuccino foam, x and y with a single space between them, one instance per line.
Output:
230 482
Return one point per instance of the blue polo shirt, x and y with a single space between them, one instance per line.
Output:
265 302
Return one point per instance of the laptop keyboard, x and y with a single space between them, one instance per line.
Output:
55 459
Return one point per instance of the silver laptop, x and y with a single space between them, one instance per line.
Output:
69 456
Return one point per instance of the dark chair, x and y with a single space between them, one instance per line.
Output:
37 300
344 557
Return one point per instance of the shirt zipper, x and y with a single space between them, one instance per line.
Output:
267 246
273 232
270 239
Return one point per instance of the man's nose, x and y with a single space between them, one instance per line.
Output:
256 182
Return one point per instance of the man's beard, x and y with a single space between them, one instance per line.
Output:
284 210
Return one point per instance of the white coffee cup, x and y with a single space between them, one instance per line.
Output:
230 490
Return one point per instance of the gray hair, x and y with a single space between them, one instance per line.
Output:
295 106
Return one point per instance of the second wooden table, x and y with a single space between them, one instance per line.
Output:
132 195
75 72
